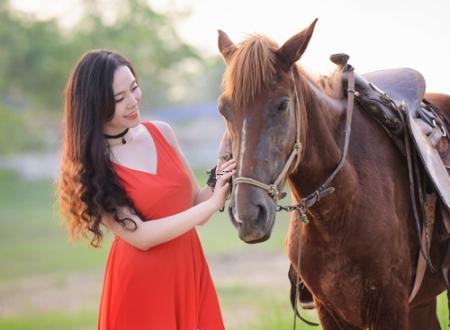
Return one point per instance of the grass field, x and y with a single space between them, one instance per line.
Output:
48 283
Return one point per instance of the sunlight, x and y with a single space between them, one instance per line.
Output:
385 35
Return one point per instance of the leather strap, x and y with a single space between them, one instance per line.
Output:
425 243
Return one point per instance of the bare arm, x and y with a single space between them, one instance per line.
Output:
200 194
157 231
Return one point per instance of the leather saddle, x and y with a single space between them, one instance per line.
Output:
402 85
395 97
407 88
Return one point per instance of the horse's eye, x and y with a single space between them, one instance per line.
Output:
283 105
224 108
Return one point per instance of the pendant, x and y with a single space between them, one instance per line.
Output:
124 141
304 218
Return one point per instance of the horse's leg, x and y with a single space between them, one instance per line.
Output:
391 311
389 319
423 317
329 322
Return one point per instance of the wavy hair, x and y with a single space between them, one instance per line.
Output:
88 186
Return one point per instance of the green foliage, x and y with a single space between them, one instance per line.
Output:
17 133
36 56
34 62
147 38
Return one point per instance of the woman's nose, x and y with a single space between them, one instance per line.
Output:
132 101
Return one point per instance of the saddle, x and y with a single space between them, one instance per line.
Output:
395 98
426 127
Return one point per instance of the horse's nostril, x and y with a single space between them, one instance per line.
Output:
262 214
233 215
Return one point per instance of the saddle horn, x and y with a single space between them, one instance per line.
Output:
340 59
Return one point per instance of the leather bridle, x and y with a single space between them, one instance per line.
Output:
273 189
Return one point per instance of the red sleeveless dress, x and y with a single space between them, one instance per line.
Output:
168 287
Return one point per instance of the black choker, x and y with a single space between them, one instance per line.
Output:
120 135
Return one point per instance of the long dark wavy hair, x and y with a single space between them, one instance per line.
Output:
88 185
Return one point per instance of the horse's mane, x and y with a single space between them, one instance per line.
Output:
253 68
332 84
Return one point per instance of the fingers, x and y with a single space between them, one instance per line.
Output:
227 175
226 165
227 170
223 179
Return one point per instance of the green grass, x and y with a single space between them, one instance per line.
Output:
220 237
32 239
34 243
269 310
442 310
51 321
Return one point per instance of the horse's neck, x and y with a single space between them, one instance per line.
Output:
324 128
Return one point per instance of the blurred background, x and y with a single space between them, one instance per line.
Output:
47 282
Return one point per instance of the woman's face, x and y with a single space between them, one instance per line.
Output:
127 97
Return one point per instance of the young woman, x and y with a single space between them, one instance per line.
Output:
132 178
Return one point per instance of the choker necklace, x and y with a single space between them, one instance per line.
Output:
120 135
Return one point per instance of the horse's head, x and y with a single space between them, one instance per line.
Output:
259 105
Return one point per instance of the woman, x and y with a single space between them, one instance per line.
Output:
131 177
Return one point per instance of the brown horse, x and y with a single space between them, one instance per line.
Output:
359 251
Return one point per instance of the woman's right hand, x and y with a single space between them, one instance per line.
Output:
222 187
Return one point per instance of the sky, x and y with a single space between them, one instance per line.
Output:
377 35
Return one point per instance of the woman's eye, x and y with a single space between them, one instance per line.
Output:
119 100
134 88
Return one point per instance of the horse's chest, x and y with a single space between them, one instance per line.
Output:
339 284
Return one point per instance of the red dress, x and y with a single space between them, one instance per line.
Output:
168 287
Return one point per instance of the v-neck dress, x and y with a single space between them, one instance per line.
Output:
167 287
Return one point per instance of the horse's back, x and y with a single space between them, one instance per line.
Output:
440 101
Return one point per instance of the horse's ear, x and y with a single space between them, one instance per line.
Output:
226 46
293 49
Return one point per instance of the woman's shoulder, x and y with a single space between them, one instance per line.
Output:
166 131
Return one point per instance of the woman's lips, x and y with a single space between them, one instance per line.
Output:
132 115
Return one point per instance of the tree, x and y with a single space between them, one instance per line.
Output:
36 56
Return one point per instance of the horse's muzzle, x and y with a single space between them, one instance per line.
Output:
254 221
